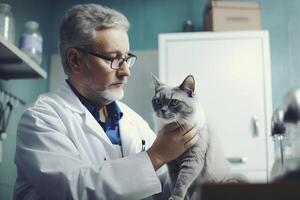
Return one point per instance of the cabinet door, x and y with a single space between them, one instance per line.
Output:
230 73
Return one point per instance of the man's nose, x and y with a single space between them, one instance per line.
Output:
123 70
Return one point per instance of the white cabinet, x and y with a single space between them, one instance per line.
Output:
232 72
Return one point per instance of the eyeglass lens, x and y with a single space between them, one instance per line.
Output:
117 63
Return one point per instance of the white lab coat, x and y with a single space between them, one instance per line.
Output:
63 153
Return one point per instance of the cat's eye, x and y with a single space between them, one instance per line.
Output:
174 102
157 101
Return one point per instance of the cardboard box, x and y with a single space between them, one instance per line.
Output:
232 15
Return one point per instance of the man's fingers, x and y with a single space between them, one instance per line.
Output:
191 142
190 134
176 126
169 127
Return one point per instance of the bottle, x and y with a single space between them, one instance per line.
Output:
7 23
188 26
31 42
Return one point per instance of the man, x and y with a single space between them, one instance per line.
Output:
81 142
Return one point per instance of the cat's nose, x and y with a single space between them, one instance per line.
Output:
163 110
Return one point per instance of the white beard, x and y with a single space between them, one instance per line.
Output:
111 95
105 96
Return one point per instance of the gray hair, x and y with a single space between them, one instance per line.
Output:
79 24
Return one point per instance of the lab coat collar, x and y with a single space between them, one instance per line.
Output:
71 100
127 134
73 103
97 131
127 127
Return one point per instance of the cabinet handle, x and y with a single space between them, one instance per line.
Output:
255 122
237 160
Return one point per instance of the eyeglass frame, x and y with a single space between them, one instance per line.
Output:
130 55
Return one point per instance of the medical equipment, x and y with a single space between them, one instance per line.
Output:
8 102
286 132
291 118
278 132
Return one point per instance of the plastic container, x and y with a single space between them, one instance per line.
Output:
31 42
7 23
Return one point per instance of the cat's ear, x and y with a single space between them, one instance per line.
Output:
188 85
156 81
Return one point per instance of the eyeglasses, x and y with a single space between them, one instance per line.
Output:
116 62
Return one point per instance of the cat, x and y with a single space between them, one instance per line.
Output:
202 163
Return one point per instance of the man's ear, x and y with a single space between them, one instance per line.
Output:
73 58
188 85
156 81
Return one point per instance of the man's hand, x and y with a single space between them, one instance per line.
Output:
171 142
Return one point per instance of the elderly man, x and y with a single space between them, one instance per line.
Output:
80 142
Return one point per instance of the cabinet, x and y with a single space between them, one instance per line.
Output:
15 64
233 82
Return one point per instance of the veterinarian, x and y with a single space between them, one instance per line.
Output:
81 142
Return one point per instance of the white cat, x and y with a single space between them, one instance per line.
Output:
205 161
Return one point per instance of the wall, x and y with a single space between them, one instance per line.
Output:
28 90
293 29
148 18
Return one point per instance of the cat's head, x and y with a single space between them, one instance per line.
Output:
178 103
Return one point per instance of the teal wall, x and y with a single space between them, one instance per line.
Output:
148 18
26 89
293 31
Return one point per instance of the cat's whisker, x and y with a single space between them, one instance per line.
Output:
183 117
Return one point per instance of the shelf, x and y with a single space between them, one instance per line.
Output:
15 64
